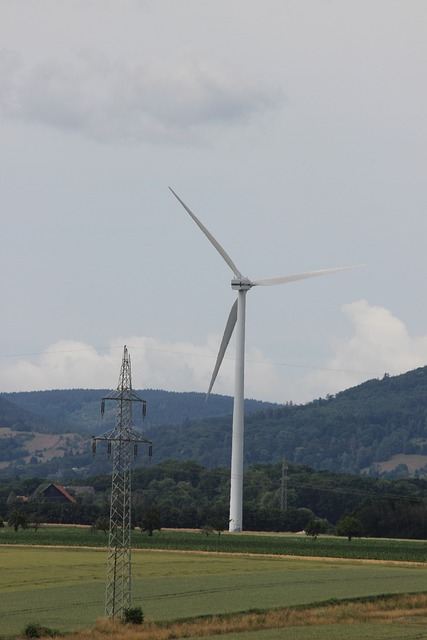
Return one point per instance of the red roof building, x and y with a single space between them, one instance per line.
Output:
57 493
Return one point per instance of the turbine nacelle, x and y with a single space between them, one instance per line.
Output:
241 284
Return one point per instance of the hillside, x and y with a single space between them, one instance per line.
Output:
21 418
79 409
353 431
377 427
49 432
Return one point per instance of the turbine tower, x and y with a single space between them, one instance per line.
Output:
124 440
242 285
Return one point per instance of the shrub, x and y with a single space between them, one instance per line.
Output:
33 630
133 615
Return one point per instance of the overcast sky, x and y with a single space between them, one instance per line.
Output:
295 129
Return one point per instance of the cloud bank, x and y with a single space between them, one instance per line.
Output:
131 100
380 343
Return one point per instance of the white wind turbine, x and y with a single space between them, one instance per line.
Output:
241 284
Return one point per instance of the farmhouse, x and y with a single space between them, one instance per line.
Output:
56 493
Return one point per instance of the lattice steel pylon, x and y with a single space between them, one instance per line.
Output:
123 442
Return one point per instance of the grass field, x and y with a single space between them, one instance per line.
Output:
64 588
391 618
361 631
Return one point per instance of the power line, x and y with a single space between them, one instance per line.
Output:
187 354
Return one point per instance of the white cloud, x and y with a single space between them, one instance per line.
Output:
178 366
131 100
380 344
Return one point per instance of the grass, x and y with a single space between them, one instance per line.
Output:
277 544
402 617
64 588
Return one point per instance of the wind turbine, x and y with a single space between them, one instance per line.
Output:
242 285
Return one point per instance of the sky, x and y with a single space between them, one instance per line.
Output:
296 130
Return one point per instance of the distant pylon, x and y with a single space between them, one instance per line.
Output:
284 487
123 441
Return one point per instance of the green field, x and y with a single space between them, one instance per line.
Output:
64 588
278 544
362 631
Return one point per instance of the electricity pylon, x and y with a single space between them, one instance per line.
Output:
284 487
123 440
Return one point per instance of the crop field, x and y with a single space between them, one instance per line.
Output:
277 544
64 588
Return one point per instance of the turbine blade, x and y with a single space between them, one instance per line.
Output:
303 276
210 237
229 328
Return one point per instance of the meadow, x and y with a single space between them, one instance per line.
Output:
63 588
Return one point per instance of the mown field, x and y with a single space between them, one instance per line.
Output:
63 588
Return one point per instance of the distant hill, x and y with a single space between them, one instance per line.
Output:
80 408
354 431
30 422
377 427
20 418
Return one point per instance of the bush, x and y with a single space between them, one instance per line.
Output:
133 615
32 631
37 631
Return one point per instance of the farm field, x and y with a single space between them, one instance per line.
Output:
64 588
361 631
254 543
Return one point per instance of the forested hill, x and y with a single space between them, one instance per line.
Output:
355 430
21 419
79 409
377 427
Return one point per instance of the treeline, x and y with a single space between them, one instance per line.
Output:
188 495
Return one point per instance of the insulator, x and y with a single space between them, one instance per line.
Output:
102 407
93 447
135 450
109 449
144 409
150 450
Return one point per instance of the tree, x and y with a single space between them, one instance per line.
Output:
207 529
36 521
151 520
349 526
216 523
101 524
315 527
18 518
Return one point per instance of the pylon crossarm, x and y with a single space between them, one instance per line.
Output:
117 394
135 437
